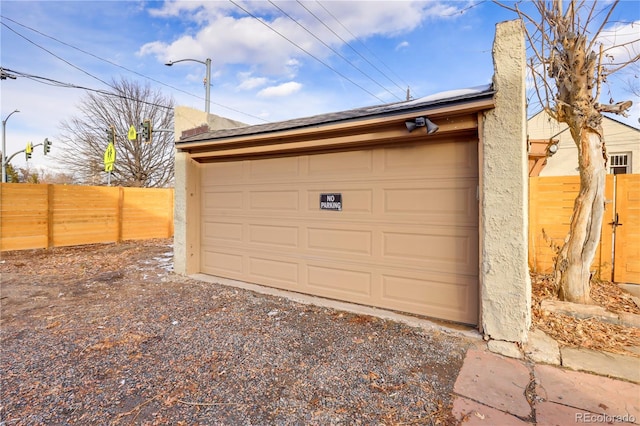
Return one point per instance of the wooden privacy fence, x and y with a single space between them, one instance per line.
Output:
551 202
42 216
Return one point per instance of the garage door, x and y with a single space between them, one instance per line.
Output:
406 237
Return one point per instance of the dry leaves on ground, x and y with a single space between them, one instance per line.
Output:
587 333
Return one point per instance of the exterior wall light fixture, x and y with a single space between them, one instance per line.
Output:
421 122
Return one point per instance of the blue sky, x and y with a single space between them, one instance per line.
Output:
325 56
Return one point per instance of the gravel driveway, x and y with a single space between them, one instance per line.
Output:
107 334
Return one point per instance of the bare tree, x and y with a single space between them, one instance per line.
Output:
137 163
632 83
569 65
48 176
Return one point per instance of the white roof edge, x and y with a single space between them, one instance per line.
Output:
451 94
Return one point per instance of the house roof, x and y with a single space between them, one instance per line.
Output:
605 117
434 101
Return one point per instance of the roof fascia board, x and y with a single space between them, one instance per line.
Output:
325 130
392 133
309 148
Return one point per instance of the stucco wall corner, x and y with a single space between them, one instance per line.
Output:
186 240
179 215
505 285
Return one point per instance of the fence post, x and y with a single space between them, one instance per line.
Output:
120 212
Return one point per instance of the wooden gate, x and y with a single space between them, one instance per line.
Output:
550 207
625 229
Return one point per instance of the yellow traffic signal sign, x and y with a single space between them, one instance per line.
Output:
28 150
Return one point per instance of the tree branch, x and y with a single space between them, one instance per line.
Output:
619 108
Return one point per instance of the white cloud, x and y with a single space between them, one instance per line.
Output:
229 36
249 83
292 65
402 45
621 42
281 90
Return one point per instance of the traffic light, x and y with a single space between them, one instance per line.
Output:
47 146
28 150
146 131
111 134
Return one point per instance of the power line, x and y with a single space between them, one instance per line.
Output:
109 62
57 83
90 54
305 51
471 6
362 43
329 47
348 44
462 11
56 56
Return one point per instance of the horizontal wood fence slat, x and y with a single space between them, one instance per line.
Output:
41 216
551 202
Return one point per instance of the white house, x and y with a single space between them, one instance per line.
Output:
621 140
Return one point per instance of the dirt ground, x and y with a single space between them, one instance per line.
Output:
107 334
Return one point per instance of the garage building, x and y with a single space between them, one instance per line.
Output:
385 206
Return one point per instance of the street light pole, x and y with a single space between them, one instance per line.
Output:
207 84
4 146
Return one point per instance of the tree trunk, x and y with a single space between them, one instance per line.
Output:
572 268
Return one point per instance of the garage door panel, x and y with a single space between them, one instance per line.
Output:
223 262
275 168
275 235
274 200
448 297
222 200
443 159
406 239
350 164
274 269
339 282
438 251
222 231
340 240
456 203
222 173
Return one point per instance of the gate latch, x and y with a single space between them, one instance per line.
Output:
616 222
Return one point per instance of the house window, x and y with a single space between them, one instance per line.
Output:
620 164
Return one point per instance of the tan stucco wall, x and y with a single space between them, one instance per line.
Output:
618 137
186 240
505 285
